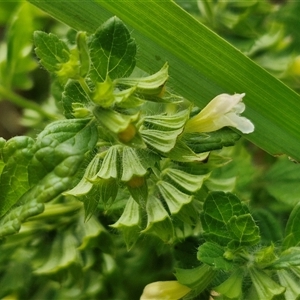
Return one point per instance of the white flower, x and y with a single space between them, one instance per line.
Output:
223 110
164 290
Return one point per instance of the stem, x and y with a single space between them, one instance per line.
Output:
84 86
24 103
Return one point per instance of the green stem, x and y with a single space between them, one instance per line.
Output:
84 86
23 102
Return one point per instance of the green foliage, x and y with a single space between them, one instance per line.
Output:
116 187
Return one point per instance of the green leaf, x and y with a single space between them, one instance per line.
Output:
265 287
73 93
52 51
211 141
243 230
112 51
270 229
292 229
212 255
227 221
164 31
17 154
218 209
282 181
66 142
198 278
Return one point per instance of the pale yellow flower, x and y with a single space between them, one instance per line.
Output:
223 110
164 290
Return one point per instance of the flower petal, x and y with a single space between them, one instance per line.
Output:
164 290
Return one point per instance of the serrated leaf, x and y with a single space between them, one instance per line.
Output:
17 154
292 229
112 51
227 221
73 93
212 255
204 142
51 51
243 230
174 198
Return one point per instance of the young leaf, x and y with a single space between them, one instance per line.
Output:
74 94
218 208
52 51
243 231
112 51
212 255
